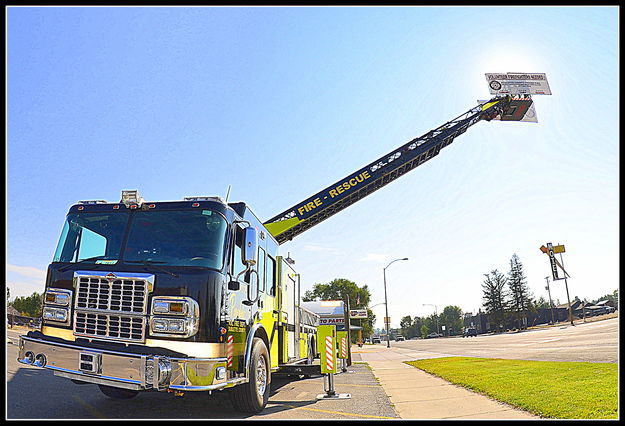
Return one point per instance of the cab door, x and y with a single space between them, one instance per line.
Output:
238 314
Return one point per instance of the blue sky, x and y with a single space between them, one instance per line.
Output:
281 102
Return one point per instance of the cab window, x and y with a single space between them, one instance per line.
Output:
271 276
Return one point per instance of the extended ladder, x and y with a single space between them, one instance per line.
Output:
386 169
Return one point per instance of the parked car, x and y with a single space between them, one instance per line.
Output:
433 335
399 338
469 332
376 340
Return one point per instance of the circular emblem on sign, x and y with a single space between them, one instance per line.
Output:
495 85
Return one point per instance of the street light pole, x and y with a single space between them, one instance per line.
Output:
438 330
387 319
550 302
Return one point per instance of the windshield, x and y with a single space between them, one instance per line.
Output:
177 238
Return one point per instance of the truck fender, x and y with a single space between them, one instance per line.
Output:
256 330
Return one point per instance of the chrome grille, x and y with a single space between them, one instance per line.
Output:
111 307
119 295
118 327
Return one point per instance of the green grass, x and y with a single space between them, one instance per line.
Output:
561 390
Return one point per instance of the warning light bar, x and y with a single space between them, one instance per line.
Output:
92 202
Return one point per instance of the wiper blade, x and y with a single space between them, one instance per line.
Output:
154 264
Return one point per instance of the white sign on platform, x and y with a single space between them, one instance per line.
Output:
518 84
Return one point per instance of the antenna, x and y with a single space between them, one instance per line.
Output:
228 193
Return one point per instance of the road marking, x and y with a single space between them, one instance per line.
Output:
549 340
90 408
340 412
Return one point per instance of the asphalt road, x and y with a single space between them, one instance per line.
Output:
35 393
584 342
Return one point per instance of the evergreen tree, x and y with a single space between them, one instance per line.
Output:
520 295
541 303
494 298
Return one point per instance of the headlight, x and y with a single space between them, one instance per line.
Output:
59 297
174 317
166 325
56 297
55 314
170 307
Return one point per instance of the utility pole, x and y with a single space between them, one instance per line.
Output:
566 285
553 321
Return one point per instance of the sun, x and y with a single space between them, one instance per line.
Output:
504 58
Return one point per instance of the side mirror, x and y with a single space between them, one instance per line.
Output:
250 249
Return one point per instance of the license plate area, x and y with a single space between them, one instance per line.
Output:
90 362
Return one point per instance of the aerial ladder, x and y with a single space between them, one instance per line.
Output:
356 186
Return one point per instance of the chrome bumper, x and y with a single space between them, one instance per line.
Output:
123 369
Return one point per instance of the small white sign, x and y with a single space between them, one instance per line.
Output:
518 84
358 313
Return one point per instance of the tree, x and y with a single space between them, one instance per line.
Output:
424 331
338 289
520 295
405 325
410 327
451 318
613 297
541 303
494 298
432 323
29 306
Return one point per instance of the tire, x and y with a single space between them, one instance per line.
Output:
252 397
118 393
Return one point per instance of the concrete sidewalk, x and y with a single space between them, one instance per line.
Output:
416 394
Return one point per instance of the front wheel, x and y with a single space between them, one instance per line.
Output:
118 393
252 397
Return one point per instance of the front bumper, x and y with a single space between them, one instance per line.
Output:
124 369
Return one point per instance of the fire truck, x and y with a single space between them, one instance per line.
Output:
193 294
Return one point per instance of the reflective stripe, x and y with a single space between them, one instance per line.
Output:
329 353
230 349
